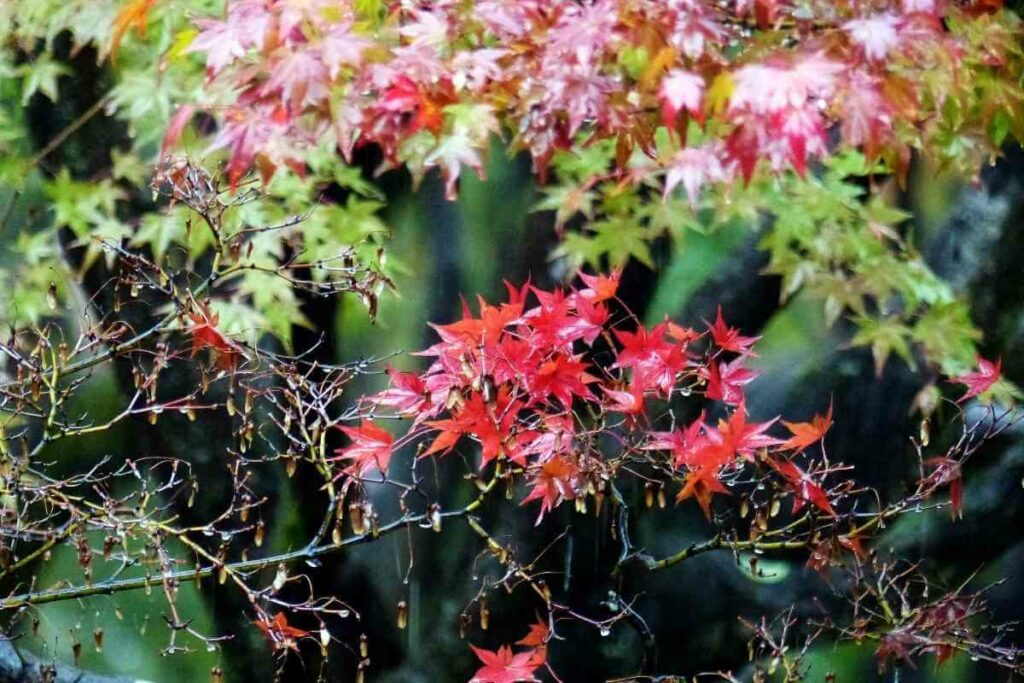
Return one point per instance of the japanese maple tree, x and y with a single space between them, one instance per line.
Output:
555 414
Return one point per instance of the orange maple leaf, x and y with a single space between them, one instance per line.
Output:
807 433
280 633
133 15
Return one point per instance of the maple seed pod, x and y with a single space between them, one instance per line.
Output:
290 466
435 518
222 574
108 546
364 646
661 497
216 675
545 591
355 517
281 578
649 494
403 614
464 621
97 638
325 638
926 432
744 507
485 614
337 535
375 525
775 507
261 530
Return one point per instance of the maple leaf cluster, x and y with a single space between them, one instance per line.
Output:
564 390
769 84
534 380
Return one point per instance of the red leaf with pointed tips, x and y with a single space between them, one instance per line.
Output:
370 450
726 381
553 484
205 335
407 393
981 381
729 338
502 666
804 488
280 633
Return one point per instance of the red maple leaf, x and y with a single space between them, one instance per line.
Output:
736 436
654 360
807 433
688 445
491 425
629 402
948 471
405 97
370 449
561 377
980 381
280 633
205 335
729 338
554 435
504 667
407 393
726 380
553 483
804 488
554 323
